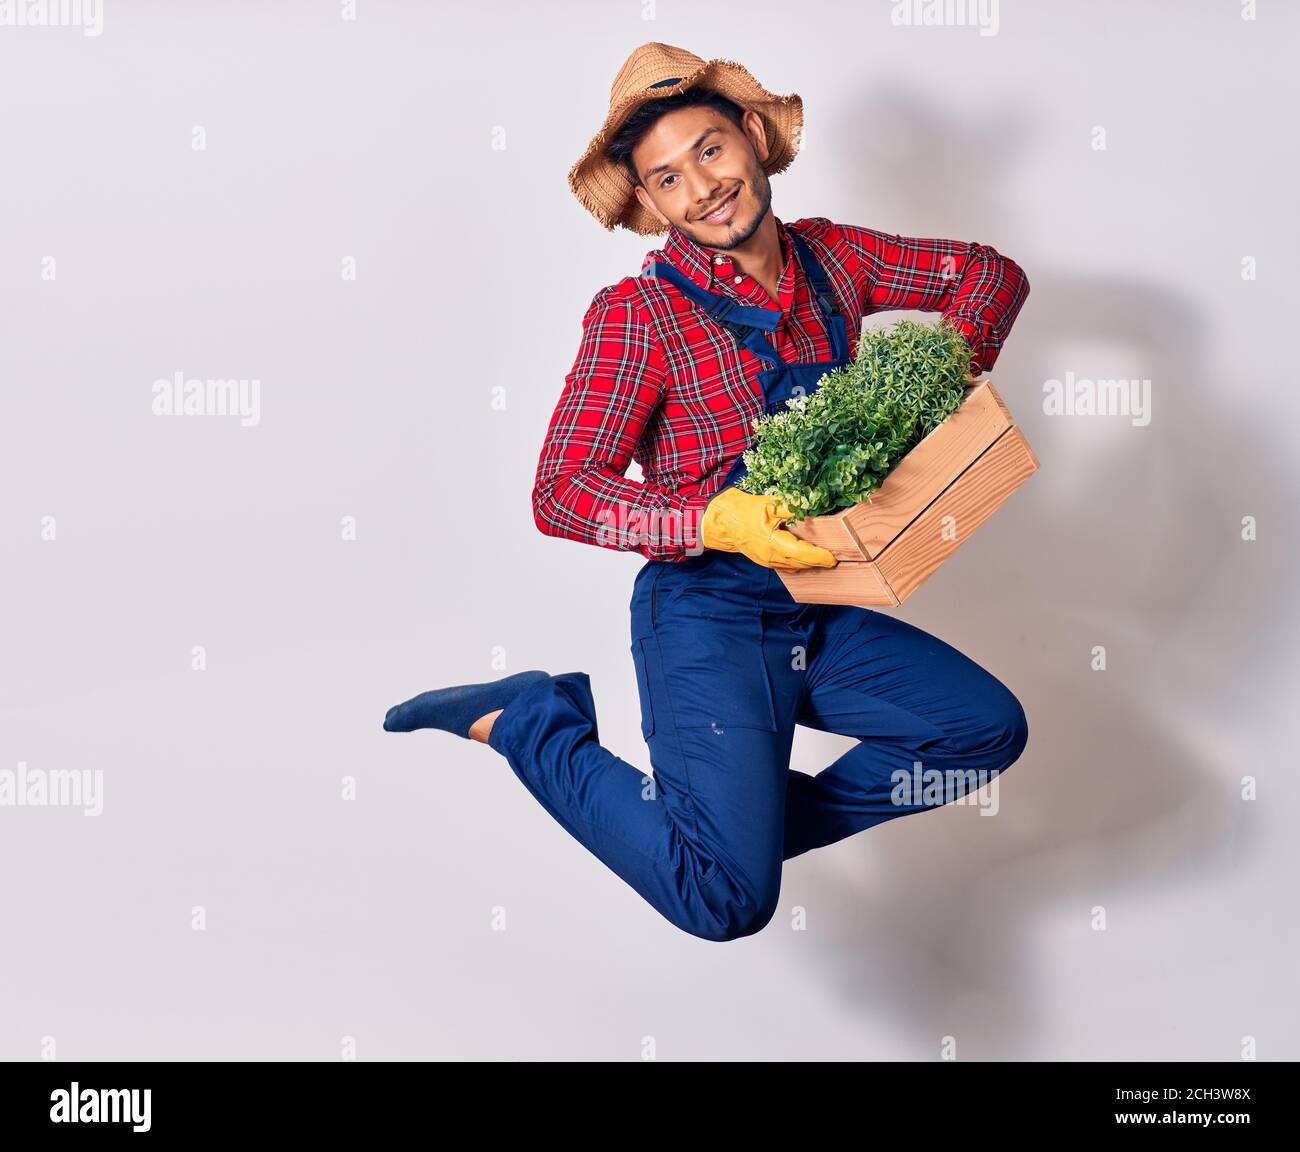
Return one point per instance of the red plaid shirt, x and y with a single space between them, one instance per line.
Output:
656 381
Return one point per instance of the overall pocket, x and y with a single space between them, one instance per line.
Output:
709 657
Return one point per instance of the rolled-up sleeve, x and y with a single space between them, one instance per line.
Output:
973 285
610 394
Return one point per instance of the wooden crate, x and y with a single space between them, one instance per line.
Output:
939 493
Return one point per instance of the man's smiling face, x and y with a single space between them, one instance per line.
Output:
703 175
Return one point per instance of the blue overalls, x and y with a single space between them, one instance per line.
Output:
726 665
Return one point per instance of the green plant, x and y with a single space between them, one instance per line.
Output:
833 448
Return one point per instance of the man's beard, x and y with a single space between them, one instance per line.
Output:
761 187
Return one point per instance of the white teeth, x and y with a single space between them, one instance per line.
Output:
722 208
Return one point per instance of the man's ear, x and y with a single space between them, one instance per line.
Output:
644 198
757 133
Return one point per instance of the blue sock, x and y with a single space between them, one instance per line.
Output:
456 709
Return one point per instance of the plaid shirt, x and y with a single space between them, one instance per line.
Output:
656 381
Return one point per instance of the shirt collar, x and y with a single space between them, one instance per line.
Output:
712 270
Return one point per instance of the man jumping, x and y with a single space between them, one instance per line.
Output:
737 313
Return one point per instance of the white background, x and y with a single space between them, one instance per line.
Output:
373 918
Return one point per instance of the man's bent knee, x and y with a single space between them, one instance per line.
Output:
1016 730
741 912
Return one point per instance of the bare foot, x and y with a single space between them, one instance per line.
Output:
482 727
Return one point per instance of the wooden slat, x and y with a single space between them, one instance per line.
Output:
849 582
829 532
928 469
970 500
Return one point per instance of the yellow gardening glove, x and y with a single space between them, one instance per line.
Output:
739 521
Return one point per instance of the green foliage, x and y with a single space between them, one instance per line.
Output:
831 449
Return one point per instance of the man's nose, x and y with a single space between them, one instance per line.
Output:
705 189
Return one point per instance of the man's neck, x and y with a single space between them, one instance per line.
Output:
763 256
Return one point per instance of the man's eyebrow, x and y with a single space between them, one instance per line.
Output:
645 176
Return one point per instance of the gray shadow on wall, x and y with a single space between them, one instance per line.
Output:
1137 553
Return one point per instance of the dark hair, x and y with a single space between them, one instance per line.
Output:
634 128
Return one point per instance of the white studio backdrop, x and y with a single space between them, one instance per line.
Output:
365 210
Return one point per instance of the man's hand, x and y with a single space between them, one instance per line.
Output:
739 521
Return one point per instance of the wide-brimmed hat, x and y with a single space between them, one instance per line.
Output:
654 71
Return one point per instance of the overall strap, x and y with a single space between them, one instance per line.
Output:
820 284
745 322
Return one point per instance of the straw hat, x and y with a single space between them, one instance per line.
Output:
657 70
